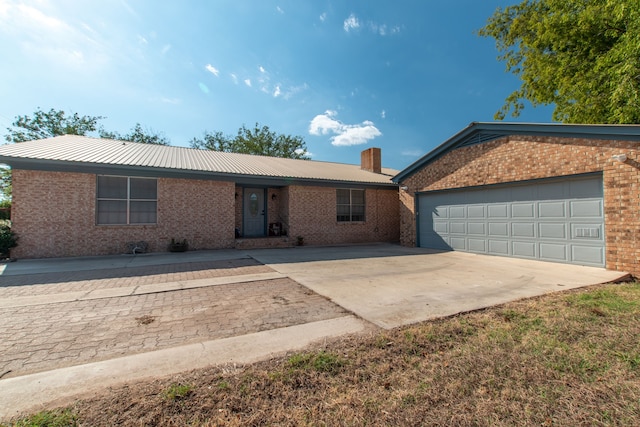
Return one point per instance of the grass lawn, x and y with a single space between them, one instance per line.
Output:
564 359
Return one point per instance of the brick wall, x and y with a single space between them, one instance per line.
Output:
54 216
312 215
520 158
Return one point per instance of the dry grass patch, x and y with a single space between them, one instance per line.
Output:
564 359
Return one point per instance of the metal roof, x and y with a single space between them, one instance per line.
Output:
98 155
481 132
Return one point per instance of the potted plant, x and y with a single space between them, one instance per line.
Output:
300 240
177 246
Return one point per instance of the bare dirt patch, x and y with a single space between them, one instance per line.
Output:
569 358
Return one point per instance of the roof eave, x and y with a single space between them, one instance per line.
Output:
500 130
132 170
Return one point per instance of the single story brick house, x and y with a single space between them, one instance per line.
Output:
77 196
554 192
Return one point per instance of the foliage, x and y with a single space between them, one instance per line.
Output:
177 391
57 418
8 239
137 134
57 122
322 361
49 124
259 140
582 56
5 183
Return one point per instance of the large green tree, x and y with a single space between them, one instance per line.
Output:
47 124
260 140
583 56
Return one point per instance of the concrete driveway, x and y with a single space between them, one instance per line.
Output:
390 285
77 323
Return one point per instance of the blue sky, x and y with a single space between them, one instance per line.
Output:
343 74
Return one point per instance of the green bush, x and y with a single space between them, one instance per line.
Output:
8 240
5 209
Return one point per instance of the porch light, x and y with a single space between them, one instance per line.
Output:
620 158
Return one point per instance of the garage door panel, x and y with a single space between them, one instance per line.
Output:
555 221
458 227
551 210
498 229
476 228
523 229
524 249
586 209
552 230
475 212
500 210
523 210
499 247
457 212
553 251
440 212
458 243
591 255
477 245
586 231
440 227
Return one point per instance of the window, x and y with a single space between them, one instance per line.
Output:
126 201
350 205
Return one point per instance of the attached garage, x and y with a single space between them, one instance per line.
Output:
551 220
552 192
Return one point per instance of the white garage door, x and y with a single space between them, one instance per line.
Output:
550 220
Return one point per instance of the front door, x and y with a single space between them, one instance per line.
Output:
254 215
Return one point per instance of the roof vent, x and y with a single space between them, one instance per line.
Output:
371 160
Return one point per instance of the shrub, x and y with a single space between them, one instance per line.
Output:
8 240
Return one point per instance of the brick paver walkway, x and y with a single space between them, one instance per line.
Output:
49 336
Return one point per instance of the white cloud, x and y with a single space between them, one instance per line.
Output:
247 82
142 40
213 70
234 78
351 23
165 49
323 17
277 92
344 134
262 70
279 9
383 114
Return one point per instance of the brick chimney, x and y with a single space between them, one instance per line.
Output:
371 160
